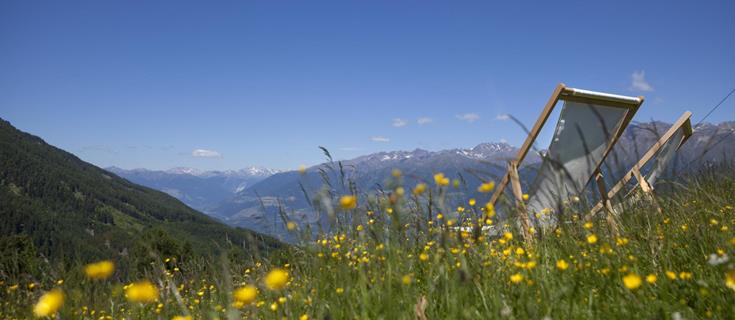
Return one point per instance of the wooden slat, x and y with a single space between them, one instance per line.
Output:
683 121
532 135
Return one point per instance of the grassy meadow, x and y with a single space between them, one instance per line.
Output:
400 255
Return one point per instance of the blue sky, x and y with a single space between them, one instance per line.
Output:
223 85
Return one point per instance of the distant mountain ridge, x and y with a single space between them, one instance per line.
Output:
199 189
256 207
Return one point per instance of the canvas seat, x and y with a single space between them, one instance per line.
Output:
589 125
653 163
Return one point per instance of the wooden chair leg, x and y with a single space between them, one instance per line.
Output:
520 205
609 210
647 189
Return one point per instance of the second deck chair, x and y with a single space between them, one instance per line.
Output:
589 125
646 171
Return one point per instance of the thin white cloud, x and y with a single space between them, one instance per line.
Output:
502 117
379 139
398 122
204 153
503 140
469 117
424 120
638 81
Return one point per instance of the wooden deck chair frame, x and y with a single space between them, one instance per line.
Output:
562 92
684 122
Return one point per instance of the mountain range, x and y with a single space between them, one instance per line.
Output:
253 197
257 207
201 190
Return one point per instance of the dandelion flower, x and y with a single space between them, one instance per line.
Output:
472 202
730 279
276 279
99 270
525 197
423 256
339 290
508 236
348 202
651 278
486 187
441 180
396 173
516 278
141 291
181 318
592 239
406 280
304 317
49 303
671 275
562 265
632 281
246 294
419 189
291 226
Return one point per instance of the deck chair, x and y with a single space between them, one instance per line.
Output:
589 125
653 163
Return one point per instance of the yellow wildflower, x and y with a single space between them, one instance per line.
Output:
304 317
651 278
423 256
141 291
525 197
406 279
441 180
486 187
562 265
396 173
419 189
99 270
632 281
276 279
181 318
49 303
671 275
592 239
516 278
489 209
348 202
291 226
302 169
246 294
730 279
339 290
472 202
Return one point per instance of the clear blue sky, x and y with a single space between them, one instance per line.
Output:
146 83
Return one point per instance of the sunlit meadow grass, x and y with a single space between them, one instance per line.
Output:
388 260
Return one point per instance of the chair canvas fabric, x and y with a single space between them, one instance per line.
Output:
582 136
664 157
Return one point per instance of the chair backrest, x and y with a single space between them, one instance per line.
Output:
653 163
589 125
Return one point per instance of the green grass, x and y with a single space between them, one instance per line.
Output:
378 273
